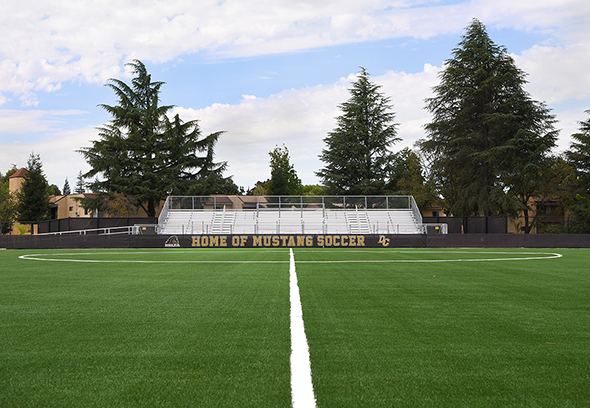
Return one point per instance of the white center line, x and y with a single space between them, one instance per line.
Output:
302 394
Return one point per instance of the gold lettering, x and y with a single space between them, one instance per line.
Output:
309 241
300 240
235 241
267 239
320 240
196 241
336 240
291 241
352 240
284 239
328 240
361 240
214 240
257 241
223 241
344 240
243 240
275 240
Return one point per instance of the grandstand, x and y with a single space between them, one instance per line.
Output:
291 215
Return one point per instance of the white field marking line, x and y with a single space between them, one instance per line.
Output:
435 260
418 251
34 258
39 257
302 395
540 256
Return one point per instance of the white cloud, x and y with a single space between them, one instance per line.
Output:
16 122
557 74
57 153
45 44
298 118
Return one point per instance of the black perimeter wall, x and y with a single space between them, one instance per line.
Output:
285 241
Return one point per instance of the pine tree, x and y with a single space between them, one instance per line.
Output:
80 184
66 190
32 202
357 154
485 128
145 155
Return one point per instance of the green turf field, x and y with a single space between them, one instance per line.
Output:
210 328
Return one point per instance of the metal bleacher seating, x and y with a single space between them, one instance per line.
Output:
290 221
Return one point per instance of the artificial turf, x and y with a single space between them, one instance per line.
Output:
459 334
403 334
122 334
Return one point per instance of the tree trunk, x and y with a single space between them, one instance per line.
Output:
151 210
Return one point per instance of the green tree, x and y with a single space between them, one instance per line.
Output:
559 189
524 178
357 154
53 190
259 189
215 183
313 190
579 153
408 178
485 128
7 203
283 177
581 216
67 190
144 154
5 178
80 184
32 201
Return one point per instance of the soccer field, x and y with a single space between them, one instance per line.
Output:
211 328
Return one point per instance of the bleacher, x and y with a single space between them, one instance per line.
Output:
291 219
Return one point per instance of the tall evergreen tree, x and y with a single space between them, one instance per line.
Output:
32 202
145 155
357 154
80 184
579 153
283 177
485 127
66 190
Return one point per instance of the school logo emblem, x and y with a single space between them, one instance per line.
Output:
172 242
383 241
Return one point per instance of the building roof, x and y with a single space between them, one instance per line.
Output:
19 173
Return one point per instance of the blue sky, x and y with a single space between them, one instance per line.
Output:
268 72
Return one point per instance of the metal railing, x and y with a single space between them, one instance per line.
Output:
280 202
97 231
